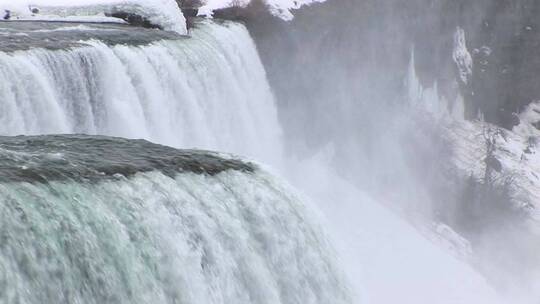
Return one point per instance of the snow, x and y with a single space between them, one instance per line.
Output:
517 150
280 8
164 13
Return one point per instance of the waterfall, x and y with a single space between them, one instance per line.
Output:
152 228
94 220
73 233
208 91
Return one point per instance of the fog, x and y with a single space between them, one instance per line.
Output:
376 88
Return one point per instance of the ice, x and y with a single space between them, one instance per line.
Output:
461 56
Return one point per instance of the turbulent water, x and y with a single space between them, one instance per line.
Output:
101 220
104 220
208 91
25 35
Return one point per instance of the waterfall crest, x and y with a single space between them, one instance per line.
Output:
167 234
208 91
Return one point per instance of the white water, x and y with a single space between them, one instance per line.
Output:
232 238
210 92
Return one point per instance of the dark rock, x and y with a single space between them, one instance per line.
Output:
357 38
190 12
135 20
41 159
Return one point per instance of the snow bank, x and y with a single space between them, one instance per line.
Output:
280 8
164 13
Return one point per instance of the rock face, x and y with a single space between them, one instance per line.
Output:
501 38
504 41
135 20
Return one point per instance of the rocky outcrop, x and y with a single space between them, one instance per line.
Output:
134 19
501 38
42 159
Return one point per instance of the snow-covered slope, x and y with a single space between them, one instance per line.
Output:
517 154
515 150
506 219
164 13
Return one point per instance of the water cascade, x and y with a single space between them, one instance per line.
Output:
87 219
208 91
91 219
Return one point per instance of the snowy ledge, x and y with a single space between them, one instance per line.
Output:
163 14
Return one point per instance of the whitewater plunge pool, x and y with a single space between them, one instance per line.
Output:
25 35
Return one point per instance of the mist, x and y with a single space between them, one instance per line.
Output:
401 100
389 146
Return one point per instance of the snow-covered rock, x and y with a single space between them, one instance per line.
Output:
517 154
279 8
282 8
164 13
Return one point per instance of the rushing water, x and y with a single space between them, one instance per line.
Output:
208 91
26 35
100 220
